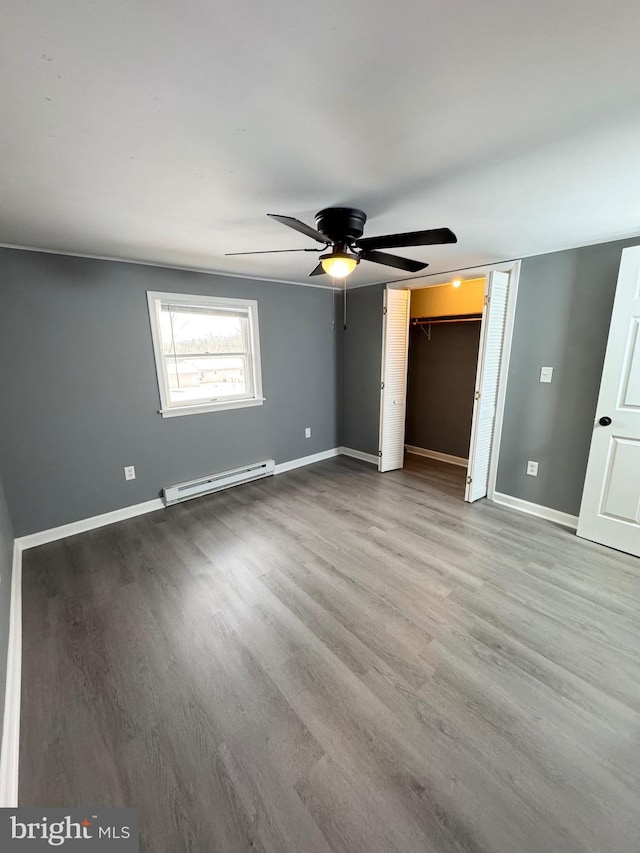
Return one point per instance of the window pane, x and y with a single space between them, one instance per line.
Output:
197 332
207 378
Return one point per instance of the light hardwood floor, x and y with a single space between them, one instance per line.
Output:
338 660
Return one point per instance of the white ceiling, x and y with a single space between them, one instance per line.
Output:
165 130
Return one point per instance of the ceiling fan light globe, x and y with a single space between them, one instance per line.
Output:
339 264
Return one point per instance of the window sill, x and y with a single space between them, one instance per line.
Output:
211 407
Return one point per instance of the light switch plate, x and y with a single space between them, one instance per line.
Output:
546 374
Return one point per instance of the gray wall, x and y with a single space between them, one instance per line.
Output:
6 560
361 355
440 386
562 321
80 394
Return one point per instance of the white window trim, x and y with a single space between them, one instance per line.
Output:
167 410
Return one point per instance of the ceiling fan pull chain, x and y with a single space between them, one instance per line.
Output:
345 306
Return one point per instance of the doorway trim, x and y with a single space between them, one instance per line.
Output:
513 269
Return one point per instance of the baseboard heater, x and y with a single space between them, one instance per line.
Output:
217 482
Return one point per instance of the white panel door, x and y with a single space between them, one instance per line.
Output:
610 510
487 379
393 397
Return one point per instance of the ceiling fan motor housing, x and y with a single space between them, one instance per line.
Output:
341 224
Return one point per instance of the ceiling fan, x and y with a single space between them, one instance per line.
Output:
340 231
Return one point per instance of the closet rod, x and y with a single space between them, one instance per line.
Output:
453 318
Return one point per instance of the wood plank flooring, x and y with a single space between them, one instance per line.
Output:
338 660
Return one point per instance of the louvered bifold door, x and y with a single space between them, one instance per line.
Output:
393 398
487 378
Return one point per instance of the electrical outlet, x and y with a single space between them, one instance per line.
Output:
307 432
532 469
546 374
129 472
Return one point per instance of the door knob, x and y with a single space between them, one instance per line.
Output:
604 421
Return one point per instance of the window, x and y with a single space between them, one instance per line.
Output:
207 352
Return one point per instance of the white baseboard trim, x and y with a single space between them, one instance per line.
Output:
9 757
55 533
545 512
281 467
358 454
32 540
435 454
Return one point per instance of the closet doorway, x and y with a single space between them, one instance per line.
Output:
444 341
457 333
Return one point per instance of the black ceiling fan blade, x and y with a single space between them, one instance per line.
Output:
317 271
434 237
270 252
393 261
291 222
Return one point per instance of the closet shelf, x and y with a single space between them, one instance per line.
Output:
449 318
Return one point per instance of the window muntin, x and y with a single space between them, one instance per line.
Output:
207 352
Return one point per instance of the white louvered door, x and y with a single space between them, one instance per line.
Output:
393 397
487 378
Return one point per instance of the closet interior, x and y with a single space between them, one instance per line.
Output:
444 337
